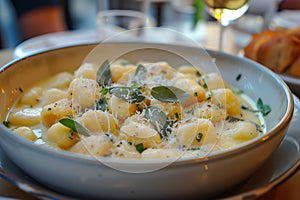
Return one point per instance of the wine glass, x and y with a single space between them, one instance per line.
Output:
225 11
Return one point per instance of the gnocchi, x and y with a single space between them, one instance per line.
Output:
142 111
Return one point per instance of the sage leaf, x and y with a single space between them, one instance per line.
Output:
103 76
169 94
128 94
158 119
140 74
74 126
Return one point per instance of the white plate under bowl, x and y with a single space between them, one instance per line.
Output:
283 163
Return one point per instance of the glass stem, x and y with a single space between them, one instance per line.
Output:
223 35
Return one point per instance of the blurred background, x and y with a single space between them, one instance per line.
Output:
21 20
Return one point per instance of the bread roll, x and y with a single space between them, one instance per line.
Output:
278 50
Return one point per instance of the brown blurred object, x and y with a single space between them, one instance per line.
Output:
289 5
278 50
42 20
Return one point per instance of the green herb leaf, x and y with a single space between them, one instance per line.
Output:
139 147
140 74
169 94
239 76
198 73
103 77
104 91
101 104
128 94
74 126
199 137
263 108
158 119
6 123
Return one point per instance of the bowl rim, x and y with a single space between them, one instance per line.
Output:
260 140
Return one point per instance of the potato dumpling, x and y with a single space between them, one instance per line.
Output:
196 92
120 108
213 81
191 72
225 98
121 73
97 121
25 117
139 130
123 149
52 95
61 136
172 110
196 133
243 130
86 70
26 132
55 111
94 145
60 80
208 110
32 97
161 69
84 93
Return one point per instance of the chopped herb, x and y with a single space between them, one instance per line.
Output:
239 76
74 126
195 94
169 94
128 94
263 108
205 85
6 123
177 115
104 91
210 95
101 104
249 109
140 147
198 73
199 137
103 77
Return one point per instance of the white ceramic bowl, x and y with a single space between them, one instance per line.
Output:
84 177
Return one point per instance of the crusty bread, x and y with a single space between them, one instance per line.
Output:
294 69
251 49
277 50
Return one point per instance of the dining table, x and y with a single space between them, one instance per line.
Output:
287 189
